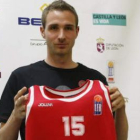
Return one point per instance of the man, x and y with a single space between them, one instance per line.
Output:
58 70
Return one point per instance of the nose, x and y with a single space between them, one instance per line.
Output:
61 35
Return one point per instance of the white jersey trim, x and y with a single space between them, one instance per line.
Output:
30 103
106 95
68 93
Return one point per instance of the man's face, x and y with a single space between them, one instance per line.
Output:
60 32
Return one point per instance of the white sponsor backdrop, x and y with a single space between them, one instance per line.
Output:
17 49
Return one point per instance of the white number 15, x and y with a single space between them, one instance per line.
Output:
78 129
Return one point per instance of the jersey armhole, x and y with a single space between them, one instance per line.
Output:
107 95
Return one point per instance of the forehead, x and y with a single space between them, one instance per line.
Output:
60 17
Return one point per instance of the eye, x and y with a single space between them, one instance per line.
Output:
69 27
53 27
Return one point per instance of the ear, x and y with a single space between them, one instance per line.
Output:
77 30
42 31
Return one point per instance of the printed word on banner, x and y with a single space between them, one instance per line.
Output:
110 70
109 19
38 42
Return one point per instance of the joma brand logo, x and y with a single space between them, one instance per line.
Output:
45 105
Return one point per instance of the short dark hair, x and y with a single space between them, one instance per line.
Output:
58 5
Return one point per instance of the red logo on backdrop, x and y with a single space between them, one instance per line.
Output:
100 45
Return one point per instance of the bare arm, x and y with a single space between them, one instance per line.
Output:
118 105
9 130
121 124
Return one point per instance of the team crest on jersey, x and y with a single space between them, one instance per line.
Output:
98 103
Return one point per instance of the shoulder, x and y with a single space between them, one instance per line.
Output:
25 75
88 69
28 68
93 74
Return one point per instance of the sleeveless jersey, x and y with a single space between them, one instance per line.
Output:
83 113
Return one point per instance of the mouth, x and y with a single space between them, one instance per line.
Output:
61 45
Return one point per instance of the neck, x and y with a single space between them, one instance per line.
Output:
61 62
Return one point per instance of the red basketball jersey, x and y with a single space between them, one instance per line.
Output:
83 113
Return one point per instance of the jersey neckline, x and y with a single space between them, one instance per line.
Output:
70 95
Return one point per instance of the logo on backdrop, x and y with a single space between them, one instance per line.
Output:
31 21
26 21
44 6
109 19
111 77
102 46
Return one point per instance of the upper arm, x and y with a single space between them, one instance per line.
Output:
7 99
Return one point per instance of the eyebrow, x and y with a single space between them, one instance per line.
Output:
71 25
53 25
